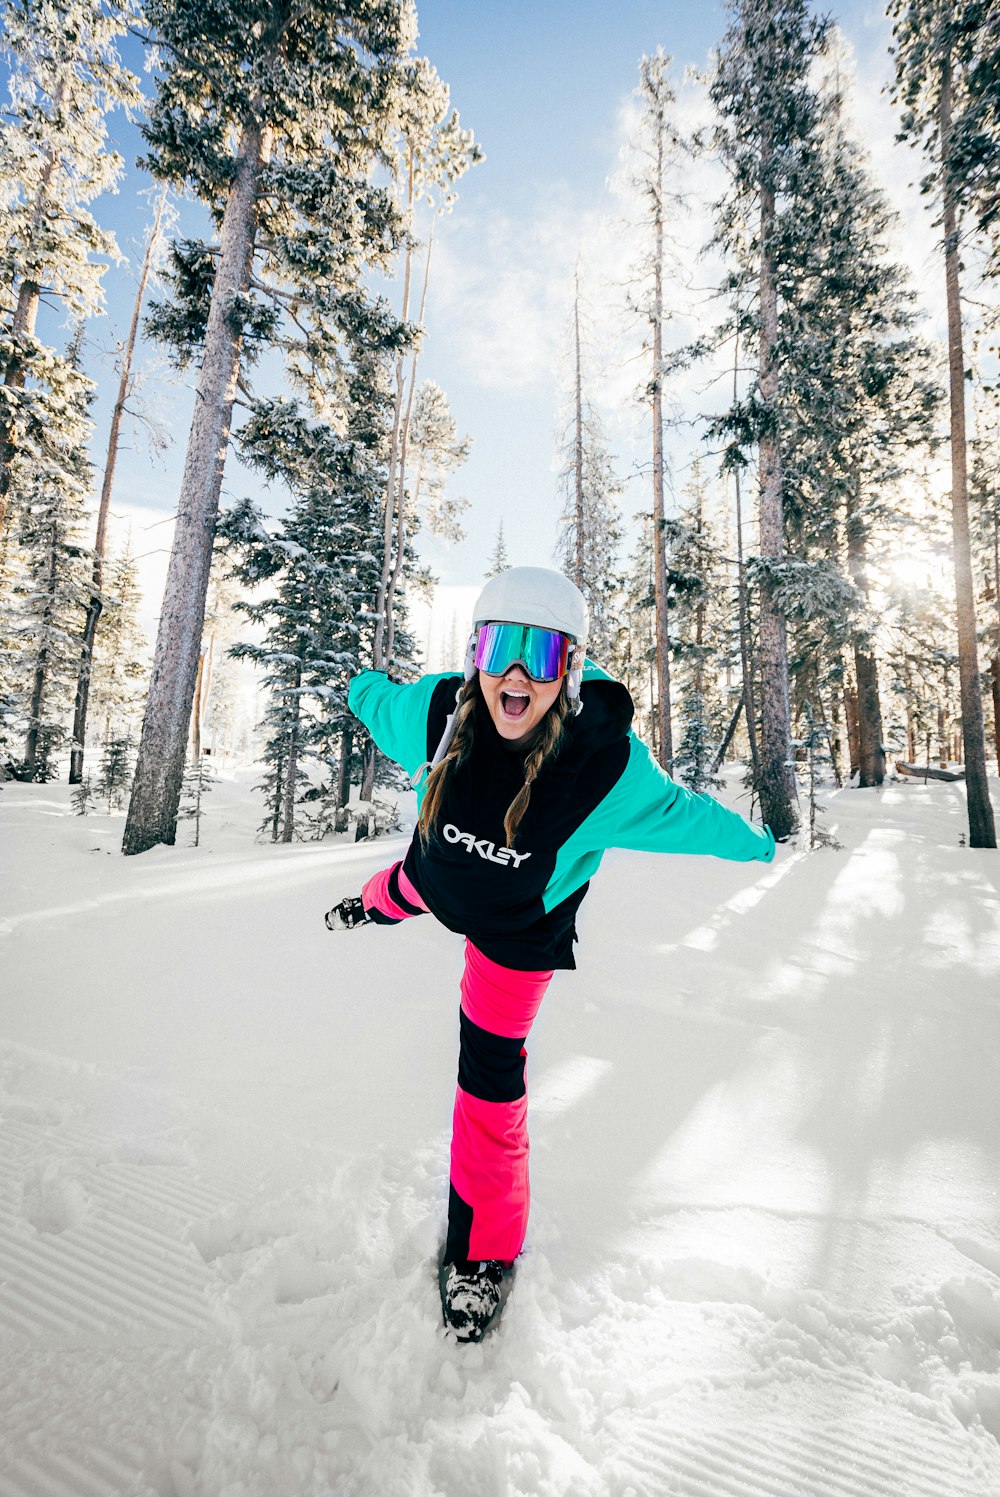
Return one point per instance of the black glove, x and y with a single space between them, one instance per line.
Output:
347 914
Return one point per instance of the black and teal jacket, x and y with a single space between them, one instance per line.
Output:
602 789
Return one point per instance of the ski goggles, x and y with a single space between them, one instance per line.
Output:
544 653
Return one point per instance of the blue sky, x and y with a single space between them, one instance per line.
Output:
545 87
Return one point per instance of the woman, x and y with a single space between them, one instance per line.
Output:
533 773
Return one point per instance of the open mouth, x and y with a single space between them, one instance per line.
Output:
514 704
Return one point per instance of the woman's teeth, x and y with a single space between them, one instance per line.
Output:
514 703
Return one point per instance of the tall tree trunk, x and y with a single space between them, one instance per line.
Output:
343 778
152 813
196 712
778 794
404 440
871 755
665 737
995 662
95 605
853 726
982 830
292 759
578 435
746 662
41 673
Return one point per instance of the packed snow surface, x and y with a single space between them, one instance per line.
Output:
764 1256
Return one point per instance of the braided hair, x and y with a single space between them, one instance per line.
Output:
547 739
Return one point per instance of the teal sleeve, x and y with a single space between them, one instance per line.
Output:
395 715
649 812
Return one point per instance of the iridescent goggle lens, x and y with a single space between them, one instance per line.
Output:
544 653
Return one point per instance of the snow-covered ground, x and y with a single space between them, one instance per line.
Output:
764 1256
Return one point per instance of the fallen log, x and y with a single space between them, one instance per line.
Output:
928 772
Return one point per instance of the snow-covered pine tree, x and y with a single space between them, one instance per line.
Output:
590 529
120 671
768 114
499 560
276 115
64 76
321 562
53 477
436 451
163 217
858 401
114 774
701 634
947 54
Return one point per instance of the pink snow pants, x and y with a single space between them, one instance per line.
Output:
489 1196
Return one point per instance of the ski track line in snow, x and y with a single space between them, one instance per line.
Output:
770 1459
221 877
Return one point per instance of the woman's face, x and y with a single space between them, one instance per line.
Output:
517 703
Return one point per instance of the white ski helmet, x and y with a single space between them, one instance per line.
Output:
534 595
541 596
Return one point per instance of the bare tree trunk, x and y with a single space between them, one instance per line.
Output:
380 652
727 739
871 755
343 778
746 663
664 736
196 712
404 439
41 673
778 794
982 829
152 813
578 435
995 662
853 727
292 760
96 604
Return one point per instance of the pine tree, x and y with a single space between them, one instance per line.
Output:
120 671
436 451
498 561
767 138
590 529
275 115
115 772
65 75
700 634
858 401
947 53
53 481
318 620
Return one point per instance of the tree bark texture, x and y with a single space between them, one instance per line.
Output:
777 789
982 829
292 759
853 727
664 736
871 755
41 673
95 606
152 813
578 436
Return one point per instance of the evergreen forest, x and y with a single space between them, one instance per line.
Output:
804 578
